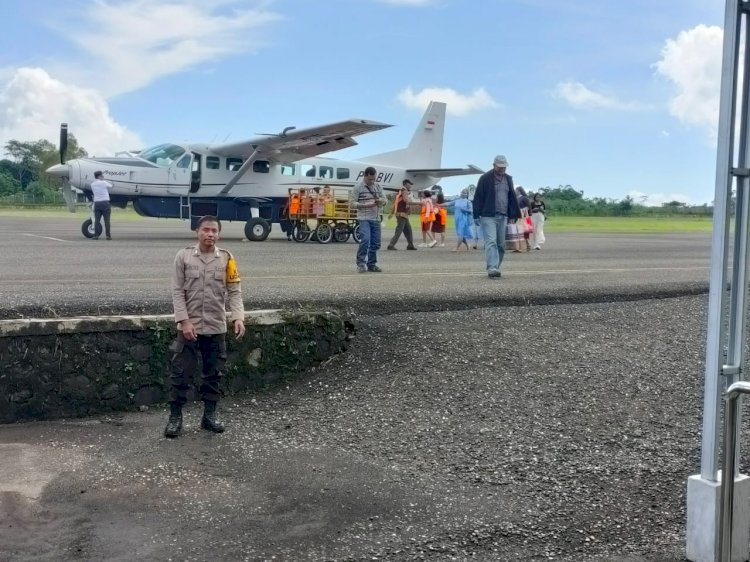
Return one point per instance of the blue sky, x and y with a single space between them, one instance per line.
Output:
613 98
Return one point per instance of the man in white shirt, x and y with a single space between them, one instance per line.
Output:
102 208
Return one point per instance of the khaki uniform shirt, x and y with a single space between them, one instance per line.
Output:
202 284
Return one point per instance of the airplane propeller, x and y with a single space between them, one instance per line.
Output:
63 141
67 191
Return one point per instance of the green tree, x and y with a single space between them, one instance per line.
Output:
15 171
33 158
8 184
674 205
624 207
42 192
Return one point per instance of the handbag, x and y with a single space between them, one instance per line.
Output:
525 224
512 234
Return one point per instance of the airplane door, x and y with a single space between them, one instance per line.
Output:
179 174
195 173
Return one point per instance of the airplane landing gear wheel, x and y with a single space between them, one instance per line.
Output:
88 230
257 229
341 232
324 233
356 234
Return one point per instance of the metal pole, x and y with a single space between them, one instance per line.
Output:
716 336
726 511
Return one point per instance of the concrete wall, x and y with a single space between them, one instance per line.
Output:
69 367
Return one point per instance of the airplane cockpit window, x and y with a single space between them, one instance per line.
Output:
261 166
233 164
163 154
184 161
342 173
212 162
308 171
325 172
287 169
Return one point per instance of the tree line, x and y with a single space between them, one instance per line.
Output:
24 172
565 200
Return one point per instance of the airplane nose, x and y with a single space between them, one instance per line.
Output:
59 171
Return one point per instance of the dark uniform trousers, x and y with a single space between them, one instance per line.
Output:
213 351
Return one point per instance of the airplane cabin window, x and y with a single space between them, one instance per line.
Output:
261 166
308 171
325 172
234 164
184 161
342 173
163 154
212 162
287 169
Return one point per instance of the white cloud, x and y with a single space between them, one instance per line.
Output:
128 45
133 43
458 104
692 62
580 96
34 104
657 199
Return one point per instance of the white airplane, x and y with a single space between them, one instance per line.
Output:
250 180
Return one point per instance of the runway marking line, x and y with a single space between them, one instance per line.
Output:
45 237
360 275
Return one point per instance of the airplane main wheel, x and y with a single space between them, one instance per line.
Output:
301 232
88 230
341 232
357 234
324 233
257 229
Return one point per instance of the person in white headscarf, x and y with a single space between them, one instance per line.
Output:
463 218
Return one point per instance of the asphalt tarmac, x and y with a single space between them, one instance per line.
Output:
461 424
50 269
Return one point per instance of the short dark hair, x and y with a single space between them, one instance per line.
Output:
427 193
98 174
370 171
407 181
208 218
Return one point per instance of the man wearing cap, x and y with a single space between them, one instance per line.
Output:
401 210
494 204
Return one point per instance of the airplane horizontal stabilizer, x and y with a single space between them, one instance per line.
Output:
446 172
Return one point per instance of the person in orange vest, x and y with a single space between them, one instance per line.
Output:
427 216
441 218
401 210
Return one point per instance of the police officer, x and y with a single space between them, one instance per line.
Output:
205 277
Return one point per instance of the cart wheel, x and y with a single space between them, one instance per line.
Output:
341 232
324 233
301 232
356 234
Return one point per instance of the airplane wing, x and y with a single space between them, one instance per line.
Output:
295 144
446 172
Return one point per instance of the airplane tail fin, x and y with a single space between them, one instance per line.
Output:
426 147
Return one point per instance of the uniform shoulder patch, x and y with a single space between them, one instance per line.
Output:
232 273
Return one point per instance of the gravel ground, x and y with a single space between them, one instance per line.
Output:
580 423
563 432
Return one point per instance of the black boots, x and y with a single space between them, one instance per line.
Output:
209 420
174 425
